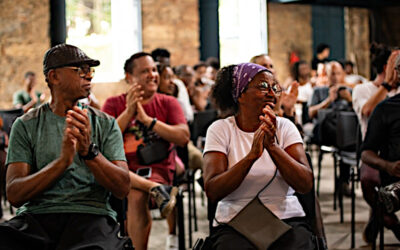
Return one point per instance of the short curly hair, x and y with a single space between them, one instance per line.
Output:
221 93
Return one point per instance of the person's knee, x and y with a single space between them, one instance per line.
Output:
369 176
137 198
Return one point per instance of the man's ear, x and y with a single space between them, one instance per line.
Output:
130 79
53 76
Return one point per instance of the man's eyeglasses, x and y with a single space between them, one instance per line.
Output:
265 88
83 72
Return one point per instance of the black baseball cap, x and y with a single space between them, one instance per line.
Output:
63 55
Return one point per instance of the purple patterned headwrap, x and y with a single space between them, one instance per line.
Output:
242 75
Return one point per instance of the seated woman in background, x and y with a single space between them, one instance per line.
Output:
243 152
167 85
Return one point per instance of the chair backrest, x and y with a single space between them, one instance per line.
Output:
201 121
347 131
9 117
307 200
318 132
120 207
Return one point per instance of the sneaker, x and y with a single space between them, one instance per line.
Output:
172 242
371 230
389 197
165 198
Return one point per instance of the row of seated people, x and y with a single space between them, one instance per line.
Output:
90 147
64 157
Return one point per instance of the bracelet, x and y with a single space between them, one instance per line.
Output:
386 86
152 123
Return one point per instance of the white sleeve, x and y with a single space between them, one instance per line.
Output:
184 101
288 133
360 97
217 138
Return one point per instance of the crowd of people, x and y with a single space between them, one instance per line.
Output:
67 155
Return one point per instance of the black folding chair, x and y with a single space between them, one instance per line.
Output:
348 139
202 120
8 116
188 179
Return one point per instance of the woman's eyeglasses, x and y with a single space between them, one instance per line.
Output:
83 72
265 88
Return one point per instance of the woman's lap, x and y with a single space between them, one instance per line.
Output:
299 237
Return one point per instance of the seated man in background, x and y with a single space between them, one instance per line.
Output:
28 97
336 97
143 111
63 162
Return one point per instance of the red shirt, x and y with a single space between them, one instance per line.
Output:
164 108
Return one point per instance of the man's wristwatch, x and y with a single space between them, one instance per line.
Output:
386 86
92 153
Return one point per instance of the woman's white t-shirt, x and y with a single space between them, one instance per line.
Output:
224 136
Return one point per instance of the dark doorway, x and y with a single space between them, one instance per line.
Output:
209 29
328 27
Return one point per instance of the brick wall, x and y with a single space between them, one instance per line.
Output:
23 41
357 39
172 24
289 29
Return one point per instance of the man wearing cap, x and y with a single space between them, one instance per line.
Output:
63 161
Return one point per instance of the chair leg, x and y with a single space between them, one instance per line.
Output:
190 208
336 180
181 220
320 154
194 204
353 201
340 198
380 226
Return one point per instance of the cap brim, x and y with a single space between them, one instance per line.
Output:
91 62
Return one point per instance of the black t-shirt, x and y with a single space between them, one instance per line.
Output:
383 134
315 61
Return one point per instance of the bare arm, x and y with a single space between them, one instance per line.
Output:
372 159
292 161
313 110
133 96
124 118
219 181
178 134
114 176
370 105
390 78
23 186
293 166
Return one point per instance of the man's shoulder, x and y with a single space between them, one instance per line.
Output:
99 114
392 101
34 113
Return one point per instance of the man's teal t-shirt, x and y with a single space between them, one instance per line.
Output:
22 97
36 139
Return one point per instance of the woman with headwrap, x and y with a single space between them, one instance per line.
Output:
250 148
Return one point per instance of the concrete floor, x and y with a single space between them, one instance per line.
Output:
338 234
